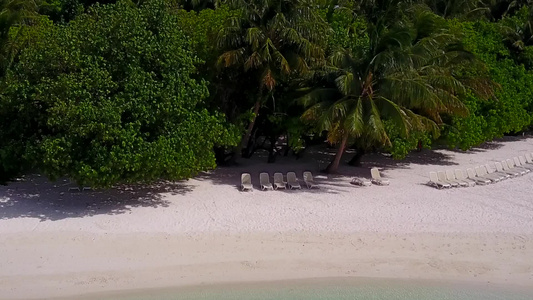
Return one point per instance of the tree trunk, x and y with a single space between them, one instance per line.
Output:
272 151
356 159
334 165
246 138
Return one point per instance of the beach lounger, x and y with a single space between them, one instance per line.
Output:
525 161
481 172
499 168
434 181
376 177
278 181
529 158
292 181
491 171
442 177
506 168
361 181
513 164
518 162
460 174
246 182
512 167
309 181
485 173
450 176
264 182
472 176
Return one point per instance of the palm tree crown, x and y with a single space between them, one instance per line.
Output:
270 40
408 75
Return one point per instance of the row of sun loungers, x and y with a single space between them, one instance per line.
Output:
278 183
293 182
482 175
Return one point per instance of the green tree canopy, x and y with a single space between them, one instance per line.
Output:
511 112
109 98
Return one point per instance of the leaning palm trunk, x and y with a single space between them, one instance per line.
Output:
334 165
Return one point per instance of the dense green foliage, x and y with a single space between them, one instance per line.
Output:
512 108
136 91
109 98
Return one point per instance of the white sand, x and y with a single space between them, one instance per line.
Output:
56 243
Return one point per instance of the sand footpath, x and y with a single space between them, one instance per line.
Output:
56 243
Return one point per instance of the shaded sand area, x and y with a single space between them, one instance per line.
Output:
56 243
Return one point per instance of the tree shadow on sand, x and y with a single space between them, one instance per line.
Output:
493 145
424 157
35 197
438 156
315 160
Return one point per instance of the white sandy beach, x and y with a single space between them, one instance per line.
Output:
56 243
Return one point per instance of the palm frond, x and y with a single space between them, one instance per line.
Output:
231 58
268 80
254 37
394 112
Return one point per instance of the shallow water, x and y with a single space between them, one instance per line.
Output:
338 289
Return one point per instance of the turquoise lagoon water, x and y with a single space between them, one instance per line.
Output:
334 289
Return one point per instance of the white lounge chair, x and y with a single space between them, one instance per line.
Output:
434 181
460 175
246 182
292 181
472 176
450 176
279 183
494 172
493 176
361 181
481 172
518 163
525 162
376 177
309 181
442 177
264 181
529 158
510 164
499 168
508 170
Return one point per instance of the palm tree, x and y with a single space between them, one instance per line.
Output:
520 32
270 41
12 13
406 75
461 8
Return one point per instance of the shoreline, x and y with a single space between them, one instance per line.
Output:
118 263
192 291
54 243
